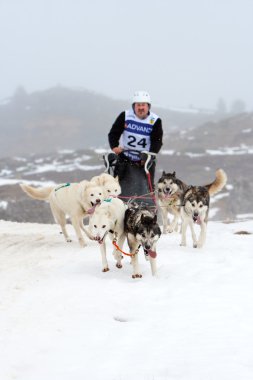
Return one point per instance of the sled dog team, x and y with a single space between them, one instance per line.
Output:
109 216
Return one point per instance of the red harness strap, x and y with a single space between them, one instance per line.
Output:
151 188
118 249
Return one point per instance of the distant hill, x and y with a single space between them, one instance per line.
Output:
233 132
64 118
194 154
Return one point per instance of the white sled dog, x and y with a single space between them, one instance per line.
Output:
108 220
110 184
77 200
195 206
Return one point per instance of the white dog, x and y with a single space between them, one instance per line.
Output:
77 200
108 219
110 184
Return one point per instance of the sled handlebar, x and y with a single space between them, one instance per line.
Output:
150 156
143 155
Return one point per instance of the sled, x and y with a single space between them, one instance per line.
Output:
134 177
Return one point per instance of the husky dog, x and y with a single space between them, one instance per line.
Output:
77 200
110 184
170 190
195 207
141 229
108 219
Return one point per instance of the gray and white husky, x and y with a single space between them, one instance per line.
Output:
195 206
141 229
170 190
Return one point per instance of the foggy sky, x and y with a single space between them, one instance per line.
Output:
184 52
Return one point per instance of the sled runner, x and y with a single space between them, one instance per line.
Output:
134 176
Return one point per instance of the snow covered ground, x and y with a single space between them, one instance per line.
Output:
61 318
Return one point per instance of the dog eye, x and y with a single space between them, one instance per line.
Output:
160 190
108 191
100 193
95 226
92 195
152 236
200 206
103 226
115 190
143 235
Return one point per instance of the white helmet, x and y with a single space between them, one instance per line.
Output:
141 97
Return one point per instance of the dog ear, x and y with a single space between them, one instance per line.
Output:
155 219
145 219
188 191
174 174
163 173
95 180
117 178
142 218
101 180
81 188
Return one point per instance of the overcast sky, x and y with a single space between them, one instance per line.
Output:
184 52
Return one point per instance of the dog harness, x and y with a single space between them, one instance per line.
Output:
61 186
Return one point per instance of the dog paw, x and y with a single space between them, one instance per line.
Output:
119 265
137 275
82 243
68 240
105 269
195 245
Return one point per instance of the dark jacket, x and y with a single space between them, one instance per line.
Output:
118 128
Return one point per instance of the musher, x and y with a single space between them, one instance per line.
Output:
137 129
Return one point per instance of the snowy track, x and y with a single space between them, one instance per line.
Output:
61 318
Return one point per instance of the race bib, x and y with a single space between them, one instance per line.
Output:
136 135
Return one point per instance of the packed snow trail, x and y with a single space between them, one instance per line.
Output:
61 318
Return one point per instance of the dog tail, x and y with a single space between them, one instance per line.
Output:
219 182
41 193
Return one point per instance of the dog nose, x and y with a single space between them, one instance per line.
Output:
147 246
98 200
196 214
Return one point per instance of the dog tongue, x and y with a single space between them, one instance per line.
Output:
152 253
197 219
92 209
